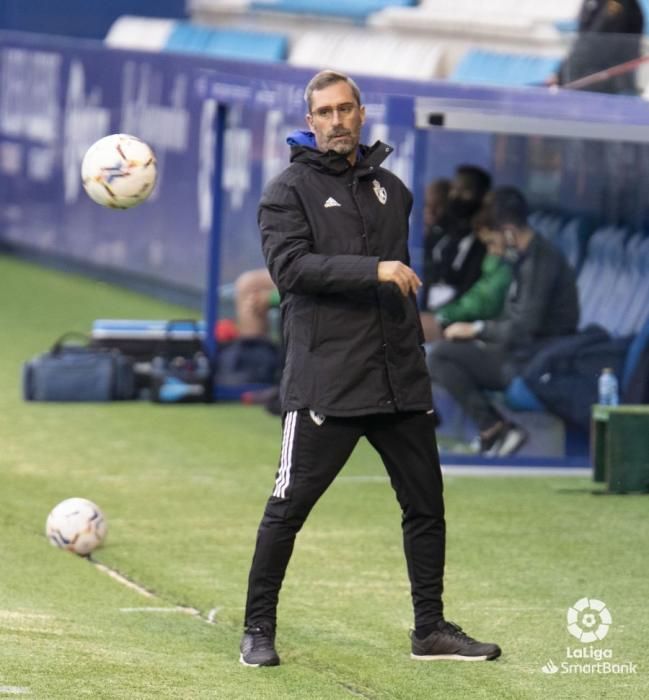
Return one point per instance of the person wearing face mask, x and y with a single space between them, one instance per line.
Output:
541 304
435 222
484 300
453 259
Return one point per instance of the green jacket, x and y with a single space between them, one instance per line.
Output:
485 299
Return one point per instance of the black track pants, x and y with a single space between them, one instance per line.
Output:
313 452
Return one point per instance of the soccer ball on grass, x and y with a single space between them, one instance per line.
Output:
119 171
77 525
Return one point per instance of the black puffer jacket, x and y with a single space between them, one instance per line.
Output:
353 346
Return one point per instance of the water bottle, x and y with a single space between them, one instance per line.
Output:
608 388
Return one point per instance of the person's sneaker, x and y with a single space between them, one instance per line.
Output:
512 440
449 642
258 647
502 440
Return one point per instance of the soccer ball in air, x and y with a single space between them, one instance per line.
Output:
119 171
77 525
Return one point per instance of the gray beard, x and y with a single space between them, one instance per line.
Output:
342 149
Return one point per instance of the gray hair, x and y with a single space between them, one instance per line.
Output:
324 79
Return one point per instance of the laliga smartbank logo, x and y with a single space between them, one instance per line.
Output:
589 621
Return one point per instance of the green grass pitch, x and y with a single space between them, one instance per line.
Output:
183 489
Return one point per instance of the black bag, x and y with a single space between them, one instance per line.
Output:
564 374
179 378
77 372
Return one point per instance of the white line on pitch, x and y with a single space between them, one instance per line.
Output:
14 690
120 578
123 580
175 609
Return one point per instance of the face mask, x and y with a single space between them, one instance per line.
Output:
462 208
511 254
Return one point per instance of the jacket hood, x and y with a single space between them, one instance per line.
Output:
304 150
301 137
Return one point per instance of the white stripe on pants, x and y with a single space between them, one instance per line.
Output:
286 459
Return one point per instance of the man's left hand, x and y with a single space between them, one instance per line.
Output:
460 331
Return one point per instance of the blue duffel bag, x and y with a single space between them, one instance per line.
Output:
78 372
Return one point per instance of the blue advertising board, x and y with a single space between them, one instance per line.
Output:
58 97
57 100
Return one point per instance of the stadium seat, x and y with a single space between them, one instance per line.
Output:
605 256
498 16
637 309
139 33
227 43
480 66
572 239
221 5
613 292
609 265
183 37
359 52
616 302
350 9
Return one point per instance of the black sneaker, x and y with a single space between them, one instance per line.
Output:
258 647
449 642
502 440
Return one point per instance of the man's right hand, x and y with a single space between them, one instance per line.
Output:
401 275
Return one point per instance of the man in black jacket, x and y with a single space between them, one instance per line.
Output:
334 229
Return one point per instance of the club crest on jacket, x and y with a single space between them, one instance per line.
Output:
380 192
317 418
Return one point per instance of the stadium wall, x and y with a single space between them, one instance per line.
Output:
57 97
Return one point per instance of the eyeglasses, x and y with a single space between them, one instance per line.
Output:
327 113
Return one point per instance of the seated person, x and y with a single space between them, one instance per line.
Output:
484 300
434 216
255 294
541 304
453 257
